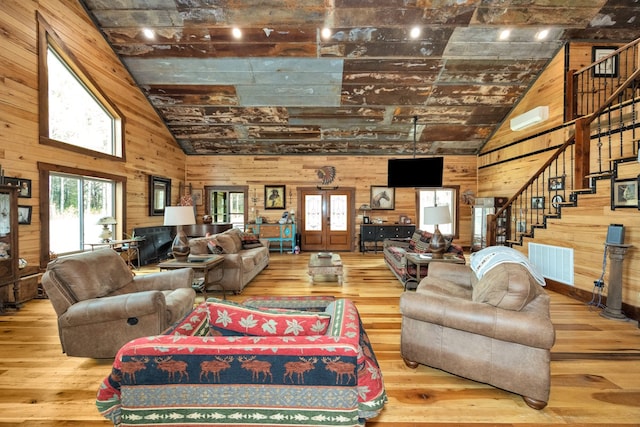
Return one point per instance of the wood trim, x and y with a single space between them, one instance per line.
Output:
46 34
44 171
581 295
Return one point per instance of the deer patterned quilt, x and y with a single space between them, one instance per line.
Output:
195 375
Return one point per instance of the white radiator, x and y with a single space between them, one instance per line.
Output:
554 262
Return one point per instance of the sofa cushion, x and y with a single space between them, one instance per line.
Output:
419 242
198 247
225 240
508 286
229 318
81 279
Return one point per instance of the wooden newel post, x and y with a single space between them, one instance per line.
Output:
613 310
491 229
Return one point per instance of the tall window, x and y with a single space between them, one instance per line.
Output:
439 197
227 204
74 113
76 203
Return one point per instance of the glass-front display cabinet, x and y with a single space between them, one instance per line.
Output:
9 239
484 206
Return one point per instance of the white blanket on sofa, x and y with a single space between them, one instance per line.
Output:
487 258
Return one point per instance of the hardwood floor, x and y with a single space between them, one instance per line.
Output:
595 362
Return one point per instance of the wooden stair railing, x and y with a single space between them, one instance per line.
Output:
566 174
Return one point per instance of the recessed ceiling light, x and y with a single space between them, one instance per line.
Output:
237 34
504 34
148 33
542 34
415 32
326 33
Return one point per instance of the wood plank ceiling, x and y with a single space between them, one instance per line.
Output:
283 88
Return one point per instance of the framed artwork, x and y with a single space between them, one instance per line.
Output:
521 226
624 193
556 200
556 183
196 196
159 194
537 203
366 220
24 214
24 185
383 197
275 197
608 68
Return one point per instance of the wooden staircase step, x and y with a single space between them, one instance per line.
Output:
599 175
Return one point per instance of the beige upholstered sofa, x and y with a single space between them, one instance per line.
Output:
495 330
101 305
244 256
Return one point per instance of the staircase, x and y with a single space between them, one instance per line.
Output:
604 101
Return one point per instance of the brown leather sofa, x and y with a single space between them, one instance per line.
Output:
496 330
243 259
101 305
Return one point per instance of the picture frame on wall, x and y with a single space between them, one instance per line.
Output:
556 183
624 193
159 194
537 203
24 214
383 198
24 185
196 196
608 68
275 197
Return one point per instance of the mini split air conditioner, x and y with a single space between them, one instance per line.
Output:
531 117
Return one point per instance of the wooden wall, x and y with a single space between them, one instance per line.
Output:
510 158
300 171
150 149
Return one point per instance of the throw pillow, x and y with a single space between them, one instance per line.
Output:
419 242
250 240
229 318
214 248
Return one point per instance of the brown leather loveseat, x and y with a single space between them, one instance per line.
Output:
495 330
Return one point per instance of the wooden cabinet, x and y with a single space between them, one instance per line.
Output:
281 236
9 253
376 233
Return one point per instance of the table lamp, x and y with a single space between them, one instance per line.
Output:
105 222
179 216
434 215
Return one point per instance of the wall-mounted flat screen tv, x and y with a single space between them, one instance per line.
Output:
422 172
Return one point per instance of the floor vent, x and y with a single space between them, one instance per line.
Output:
554 262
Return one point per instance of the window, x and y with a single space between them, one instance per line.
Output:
227 204
76 203
74 113
438 197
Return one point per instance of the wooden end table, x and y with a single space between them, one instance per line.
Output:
327 265
202 267
423 259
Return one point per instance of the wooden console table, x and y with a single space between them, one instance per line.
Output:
376 233
280 234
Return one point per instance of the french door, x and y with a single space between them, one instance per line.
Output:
326 219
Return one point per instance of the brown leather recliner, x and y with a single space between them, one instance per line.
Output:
496 330
101 305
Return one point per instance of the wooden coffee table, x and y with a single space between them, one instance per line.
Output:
202 267
327 264
424 259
